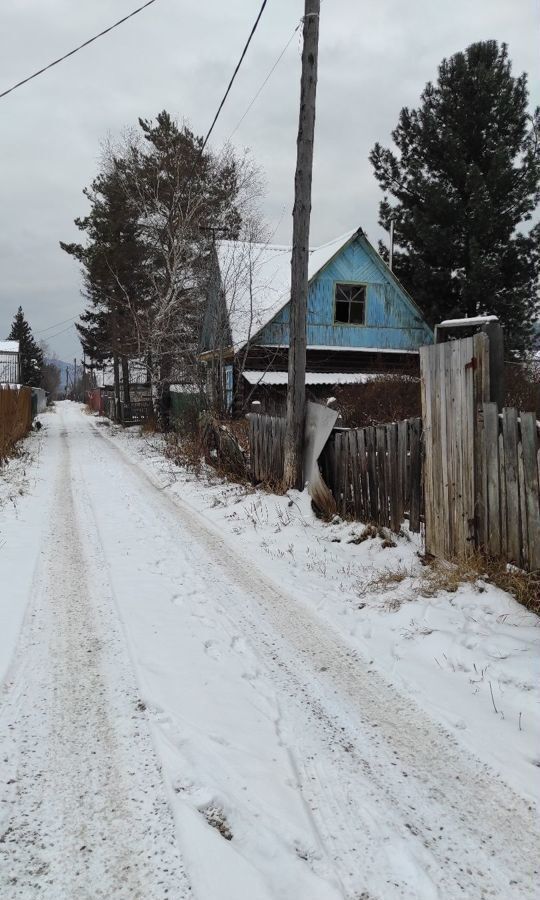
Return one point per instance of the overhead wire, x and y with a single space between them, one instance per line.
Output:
214 121
51 337
56 325
235 73
266 80
76 49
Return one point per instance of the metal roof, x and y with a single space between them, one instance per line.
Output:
9 346
256 280
261 377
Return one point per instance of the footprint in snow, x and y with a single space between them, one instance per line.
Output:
212 650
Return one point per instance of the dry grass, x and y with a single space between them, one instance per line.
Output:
384 581
440 575
150 426
524 586
185 451
373 531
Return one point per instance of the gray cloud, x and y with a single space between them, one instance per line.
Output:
178 54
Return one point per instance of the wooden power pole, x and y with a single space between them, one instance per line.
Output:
296 391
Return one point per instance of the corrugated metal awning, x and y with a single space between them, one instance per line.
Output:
267 378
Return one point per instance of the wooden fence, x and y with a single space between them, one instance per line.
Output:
375 473
508 493
267 448
15 417
468 472
455 380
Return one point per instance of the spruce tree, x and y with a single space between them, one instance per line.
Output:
466 179
30 354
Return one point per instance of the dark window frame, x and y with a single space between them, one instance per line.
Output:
350 302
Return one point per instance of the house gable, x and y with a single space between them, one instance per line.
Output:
392 319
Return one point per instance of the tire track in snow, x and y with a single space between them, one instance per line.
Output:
85 814
440 812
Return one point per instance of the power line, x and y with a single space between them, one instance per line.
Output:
76 50
239 63
50 337
266 80
57 324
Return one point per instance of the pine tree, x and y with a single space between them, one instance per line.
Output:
466 179
113 274
30 354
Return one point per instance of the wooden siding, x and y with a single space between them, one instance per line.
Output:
392 320
272 359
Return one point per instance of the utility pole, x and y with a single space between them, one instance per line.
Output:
296 390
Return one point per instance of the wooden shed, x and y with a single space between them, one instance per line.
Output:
9 362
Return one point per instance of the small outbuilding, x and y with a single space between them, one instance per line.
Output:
10 369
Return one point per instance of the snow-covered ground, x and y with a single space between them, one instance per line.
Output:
461 654
319 733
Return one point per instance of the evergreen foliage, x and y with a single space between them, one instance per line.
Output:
146 243
465 180
112 261
30 354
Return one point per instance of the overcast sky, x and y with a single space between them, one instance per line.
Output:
375 57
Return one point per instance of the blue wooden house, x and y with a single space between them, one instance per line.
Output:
360 320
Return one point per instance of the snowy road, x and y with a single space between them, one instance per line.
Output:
174 724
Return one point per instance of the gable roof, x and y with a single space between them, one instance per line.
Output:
256 280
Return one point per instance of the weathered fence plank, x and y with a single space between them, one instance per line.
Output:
529 444
455 379
508 514
395 487
502 495
511 474
492 498
415 481
266 443
375 473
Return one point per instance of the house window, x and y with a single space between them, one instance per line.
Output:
350 308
